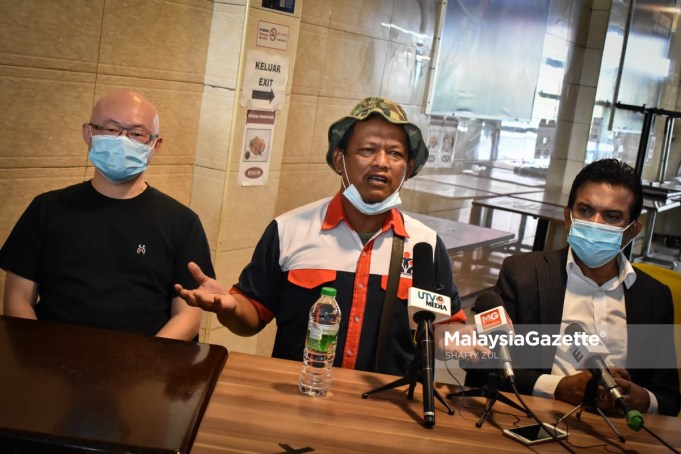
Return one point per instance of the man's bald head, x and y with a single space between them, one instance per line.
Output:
127 108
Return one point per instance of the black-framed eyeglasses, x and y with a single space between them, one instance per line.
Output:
140 135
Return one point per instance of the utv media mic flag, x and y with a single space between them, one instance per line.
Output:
421 298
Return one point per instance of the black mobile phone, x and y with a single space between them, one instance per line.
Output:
533 434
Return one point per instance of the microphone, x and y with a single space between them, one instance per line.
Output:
425 306
491 318
590 357
422 301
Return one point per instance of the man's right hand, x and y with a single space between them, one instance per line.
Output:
571 389
210 294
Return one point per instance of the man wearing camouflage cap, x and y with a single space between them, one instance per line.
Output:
343 242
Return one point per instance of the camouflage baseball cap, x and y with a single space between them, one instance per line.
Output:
390 111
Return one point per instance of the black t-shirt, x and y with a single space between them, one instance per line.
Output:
103 262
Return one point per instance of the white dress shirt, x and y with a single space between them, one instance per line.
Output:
599 310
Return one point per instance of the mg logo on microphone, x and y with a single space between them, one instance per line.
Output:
491 318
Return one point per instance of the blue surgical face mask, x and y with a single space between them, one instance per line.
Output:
352 194
118 158
595 244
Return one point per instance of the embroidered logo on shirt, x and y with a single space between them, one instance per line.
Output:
141 249
407 264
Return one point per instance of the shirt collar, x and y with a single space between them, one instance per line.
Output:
626 271
335 214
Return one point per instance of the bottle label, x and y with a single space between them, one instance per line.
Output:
322 338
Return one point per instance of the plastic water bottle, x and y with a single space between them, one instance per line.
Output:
320 344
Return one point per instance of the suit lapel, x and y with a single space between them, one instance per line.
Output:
552 281
634 302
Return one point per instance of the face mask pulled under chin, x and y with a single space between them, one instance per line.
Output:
352 194
596 244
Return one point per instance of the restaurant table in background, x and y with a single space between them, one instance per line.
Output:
482 183
256 408
100 390
464 241
459 236
544 212
651 206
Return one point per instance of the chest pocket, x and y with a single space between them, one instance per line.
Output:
402 288
311 278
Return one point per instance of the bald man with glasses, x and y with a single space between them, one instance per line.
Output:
106 252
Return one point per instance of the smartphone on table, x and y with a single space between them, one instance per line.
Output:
534 433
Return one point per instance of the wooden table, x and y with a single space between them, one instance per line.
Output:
256 408
100 390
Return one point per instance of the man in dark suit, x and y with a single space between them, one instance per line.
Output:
592 283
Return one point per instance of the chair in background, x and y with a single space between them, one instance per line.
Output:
671 279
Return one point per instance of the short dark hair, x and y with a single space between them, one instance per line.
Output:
614 173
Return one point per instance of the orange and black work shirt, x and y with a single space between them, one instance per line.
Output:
314 246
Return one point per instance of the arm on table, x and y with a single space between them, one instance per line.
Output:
21 295
184 322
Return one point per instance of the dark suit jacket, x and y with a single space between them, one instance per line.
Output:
533 287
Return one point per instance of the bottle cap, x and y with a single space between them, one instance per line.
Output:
328 291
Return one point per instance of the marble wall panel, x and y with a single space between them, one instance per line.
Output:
578 28
164 40
322 181
303 184
574 65
208 186
310 60
365 18
598 27
299 132
558 21
247 211
224 48
568 101
174 180
215 127
43 111
228 266
56 34
592 67
356 69
585 104
317 12
293 178
414 23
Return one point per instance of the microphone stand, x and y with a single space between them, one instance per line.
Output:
420 370
590 401
491 392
